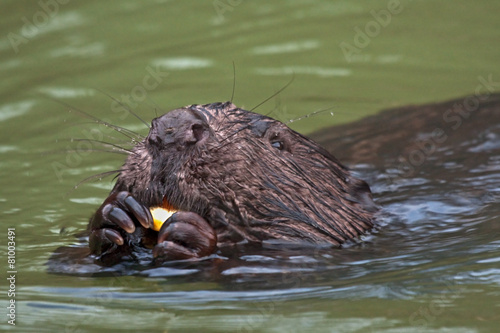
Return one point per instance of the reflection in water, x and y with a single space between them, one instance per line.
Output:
434 259
434 170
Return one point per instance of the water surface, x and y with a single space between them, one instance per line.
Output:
433 264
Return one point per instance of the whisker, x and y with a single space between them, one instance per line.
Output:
126 132
93 150
99 176
157 107
234 82
310 115
277 106
104 135
124 107
104 143
276 93
226 116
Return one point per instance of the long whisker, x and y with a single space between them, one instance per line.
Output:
124 107
116 139
310 115
104 143
126 132
277 106
276 93
99 176
157 107
93 150
234 82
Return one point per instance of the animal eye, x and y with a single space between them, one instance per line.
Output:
169 130
277 145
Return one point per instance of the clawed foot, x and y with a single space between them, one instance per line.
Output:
117 218
121 222
185 235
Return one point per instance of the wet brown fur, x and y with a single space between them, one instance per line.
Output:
250 176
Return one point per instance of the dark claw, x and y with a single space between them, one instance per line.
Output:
185 235
104 240
113 236
142 214
121 219
172 251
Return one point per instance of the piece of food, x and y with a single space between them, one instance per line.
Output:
160 215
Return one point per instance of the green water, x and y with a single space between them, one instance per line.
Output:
158 55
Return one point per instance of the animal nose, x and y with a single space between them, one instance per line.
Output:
155 135
154 124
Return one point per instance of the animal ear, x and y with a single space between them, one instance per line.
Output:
195 133
198 131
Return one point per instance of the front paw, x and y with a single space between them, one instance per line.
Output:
115 219
185 235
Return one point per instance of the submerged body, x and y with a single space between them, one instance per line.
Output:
444 206
233 176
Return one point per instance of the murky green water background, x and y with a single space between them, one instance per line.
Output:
158 55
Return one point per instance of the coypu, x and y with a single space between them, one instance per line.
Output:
233 176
